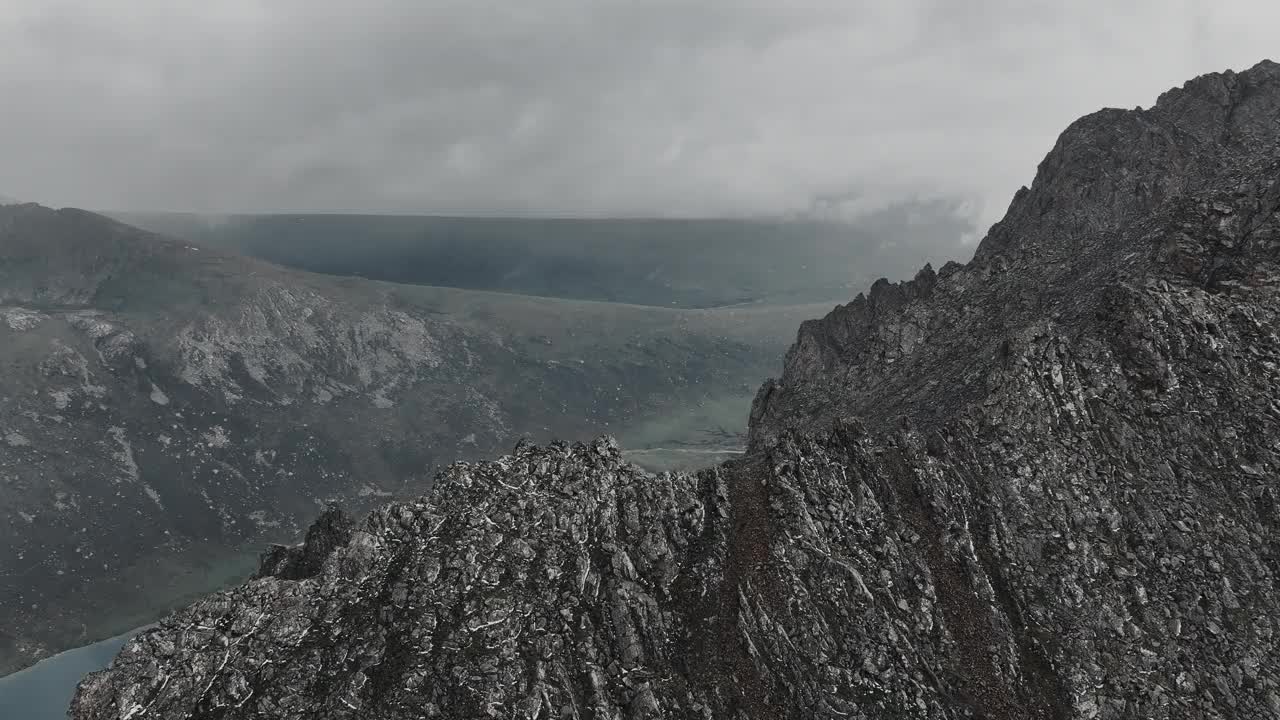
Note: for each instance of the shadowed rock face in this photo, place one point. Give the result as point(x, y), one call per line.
point(163, 406)
point(1184, 192)
point(1041, 485)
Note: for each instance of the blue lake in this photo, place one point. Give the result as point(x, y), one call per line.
point(43, 691)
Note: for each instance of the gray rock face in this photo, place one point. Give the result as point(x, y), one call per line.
point(1183, 193)
point(1041, 485)
point(163, 407)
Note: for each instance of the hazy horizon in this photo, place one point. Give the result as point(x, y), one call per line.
point(671, 108)
point(955, 208)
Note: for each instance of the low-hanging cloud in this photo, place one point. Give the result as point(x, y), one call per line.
point(578, 107)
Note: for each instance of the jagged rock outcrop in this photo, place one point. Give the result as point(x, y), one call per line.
point(1184, 192)
point(1040, 485)
point(212, 403)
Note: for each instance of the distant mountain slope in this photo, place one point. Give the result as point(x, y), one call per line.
point(1044, 485)
point(163, 406)
point(667, 263)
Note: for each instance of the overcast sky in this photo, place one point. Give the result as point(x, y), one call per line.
point(580, 107)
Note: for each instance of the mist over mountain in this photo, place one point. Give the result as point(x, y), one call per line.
point(1039, 485)
point(669, 263)
point(608, 109)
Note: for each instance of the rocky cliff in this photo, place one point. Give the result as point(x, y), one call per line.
point(1040, 485)
point(164, 406)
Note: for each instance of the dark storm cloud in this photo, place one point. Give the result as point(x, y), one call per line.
point(573, 106)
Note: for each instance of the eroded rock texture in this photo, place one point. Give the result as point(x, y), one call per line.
point(167, 409)
point(1041, 485)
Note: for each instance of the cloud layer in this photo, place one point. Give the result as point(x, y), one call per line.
point(580, 107)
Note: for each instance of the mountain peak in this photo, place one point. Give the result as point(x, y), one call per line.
point(1223, 90)
point(1116, 164)
point(1038, 486)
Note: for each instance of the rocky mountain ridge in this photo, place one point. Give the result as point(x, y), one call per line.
point(1040, 485)
point(1195, 173)
point(214, 402)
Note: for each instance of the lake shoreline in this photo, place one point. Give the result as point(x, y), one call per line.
point(43, 691)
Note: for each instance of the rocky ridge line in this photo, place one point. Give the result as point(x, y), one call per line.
point(1040, 485)
point(217, 403)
